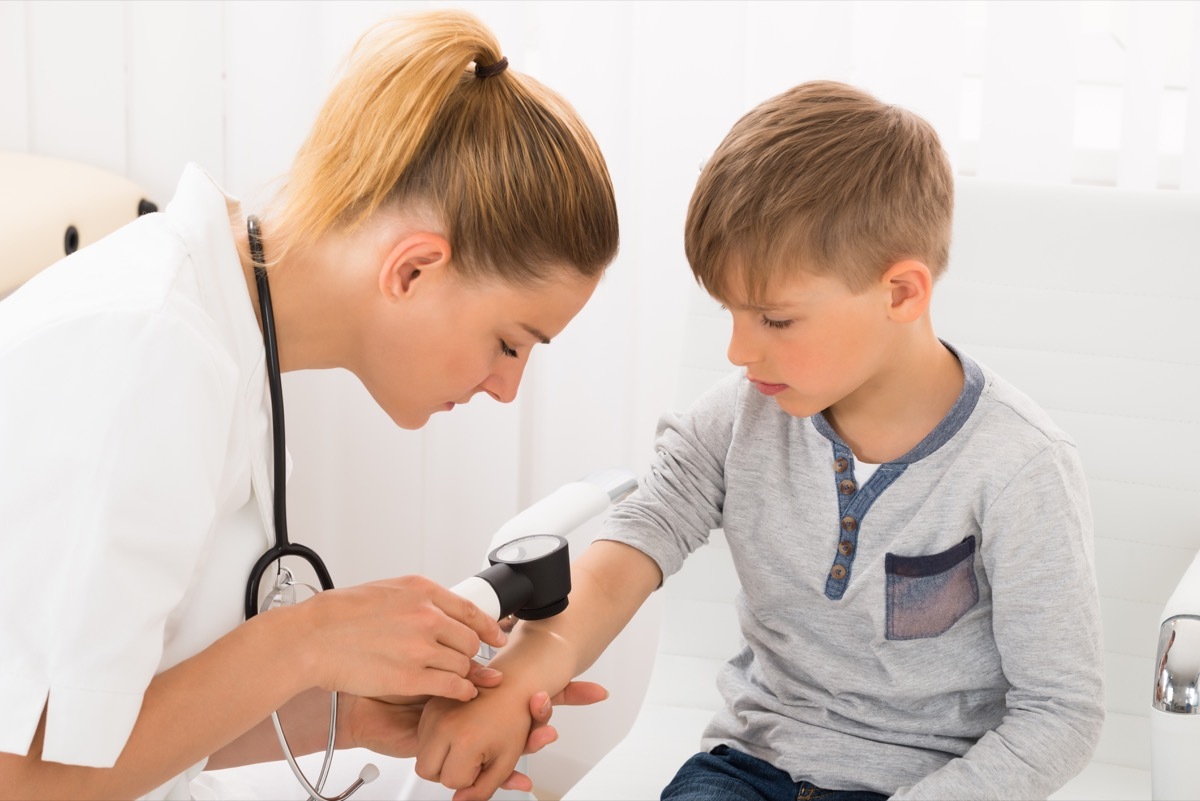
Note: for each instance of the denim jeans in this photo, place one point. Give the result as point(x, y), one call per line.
point(726, 775)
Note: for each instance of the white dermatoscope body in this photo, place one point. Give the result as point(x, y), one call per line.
point(529, 572)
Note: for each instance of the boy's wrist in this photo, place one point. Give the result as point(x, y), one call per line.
point(535, 659)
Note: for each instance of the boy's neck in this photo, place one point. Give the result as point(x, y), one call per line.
point(902, 404)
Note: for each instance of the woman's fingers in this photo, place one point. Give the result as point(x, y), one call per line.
point(581, 693)
point(470, 615)
point(403, 636)
point(541, 734)
point(483, 676)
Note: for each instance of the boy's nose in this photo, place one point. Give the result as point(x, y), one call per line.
point(742, 350)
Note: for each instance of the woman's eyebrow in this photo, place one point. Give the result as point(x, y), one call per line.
point(545, 340)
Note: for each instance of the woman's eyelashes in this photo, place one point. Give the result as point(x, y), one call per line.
point(507, 351)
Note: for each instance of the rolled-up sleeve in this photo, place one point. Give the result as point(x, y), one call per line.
point(113, 435)
point(680, 498)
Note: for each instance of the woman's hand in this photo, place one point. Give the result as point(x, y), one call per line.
point(407, 636)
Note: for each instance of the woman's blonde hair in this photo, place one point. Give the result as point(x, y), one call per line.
point(516, 178)
point(823, 178)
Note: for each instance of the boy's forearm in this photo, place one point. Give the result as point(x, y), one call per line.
point(610, 581)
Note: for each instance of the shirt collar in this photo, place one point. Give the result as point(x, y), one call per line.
point(973, 382)
point(201, 211)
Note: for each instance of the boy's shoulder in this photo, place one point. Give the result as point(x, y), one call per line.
point(1007, 405)
point(1009, 430)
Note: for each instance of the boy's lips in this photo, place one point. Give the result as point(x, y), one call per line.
point(766, 388)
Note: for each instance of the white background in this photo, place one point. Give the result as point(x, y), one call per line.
point(1104, 93)
point(1087, 92)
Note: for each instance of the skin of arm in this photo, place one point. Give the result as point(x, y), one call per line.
point(473, 746)
point(362, 722)
point(209, 690)
point(385, 726)
point(203, 703)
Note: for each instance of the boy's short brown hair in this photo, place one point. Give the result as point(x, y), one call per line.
point(823, 178)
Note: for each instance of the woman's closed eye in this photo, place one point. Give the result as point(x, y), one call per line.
point(507, 351)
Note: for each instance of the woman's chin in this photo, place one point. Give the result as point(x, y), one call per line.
point(411, 421)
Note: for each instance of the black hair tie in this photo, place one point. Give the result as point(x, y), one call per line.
point(495, 69)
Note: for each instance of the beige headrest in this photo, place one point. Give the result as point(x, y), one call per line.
point(49, 207)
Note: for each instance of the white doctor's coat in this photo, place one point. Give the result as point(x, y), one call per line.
point(134, 472)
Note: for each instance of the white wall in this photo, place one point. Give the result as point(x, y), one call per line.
point(1087, 92)
point(1074, 91)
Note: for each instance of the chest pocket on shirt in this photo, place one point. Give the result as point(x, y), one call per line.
point(926, 595)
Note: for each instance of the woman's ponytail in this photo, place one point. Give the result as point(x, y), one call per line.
point(411, 121)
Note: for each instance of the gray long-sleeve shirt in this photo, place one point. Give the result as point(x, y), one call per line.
point(934, 633)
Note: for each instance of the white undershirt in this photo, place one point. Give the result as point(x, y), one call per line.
point(863, 471)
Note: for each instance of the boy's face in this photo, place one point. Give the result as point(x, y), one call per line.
point(813, 343)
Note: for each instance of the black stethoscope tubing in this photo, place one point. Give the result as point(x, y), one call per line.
point(282, 547)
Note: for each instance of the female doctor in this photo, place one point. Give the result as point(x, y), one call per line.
point(445, 215)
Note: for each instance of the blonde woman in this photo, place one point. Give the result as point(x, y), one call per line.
point(139, 482)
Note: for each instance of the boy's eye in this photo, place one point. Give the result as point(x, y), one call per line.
point(506, 350)
point(769, 323)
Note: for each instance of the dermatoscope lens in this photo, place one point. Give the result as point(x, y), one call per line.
point(527, 549)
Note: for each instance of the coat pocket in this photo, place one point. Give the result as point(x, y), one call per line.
point(926, 595)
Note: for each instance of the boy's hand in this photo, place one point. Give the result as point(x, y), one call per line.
point(577, 693)
point(472, 747)
point(388, 724)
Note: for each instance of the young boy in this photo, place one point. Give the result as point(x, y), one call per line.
point(912, 534)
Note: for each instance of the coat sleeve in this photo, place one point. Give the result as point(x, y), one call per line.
point(113, 435)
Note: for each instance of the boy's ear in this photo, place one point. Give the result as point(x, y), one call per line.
point(420, 257)
point(910, 289)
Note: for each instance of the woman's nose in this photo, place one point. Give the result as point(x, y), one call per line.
point(503, 382)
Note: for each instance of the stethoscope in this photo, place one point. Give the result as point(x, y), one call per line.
point(284, 581)
point(528, 577)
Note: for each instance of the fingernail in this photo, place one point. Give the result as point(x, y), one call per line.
point(488, 673)
point(546, 706)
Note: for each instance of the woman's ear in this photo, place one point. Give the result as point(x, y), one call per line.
point(422, 257)
point(910, 289)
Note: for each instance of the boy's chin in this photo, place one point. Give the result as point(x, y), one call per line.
point(798, 407)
